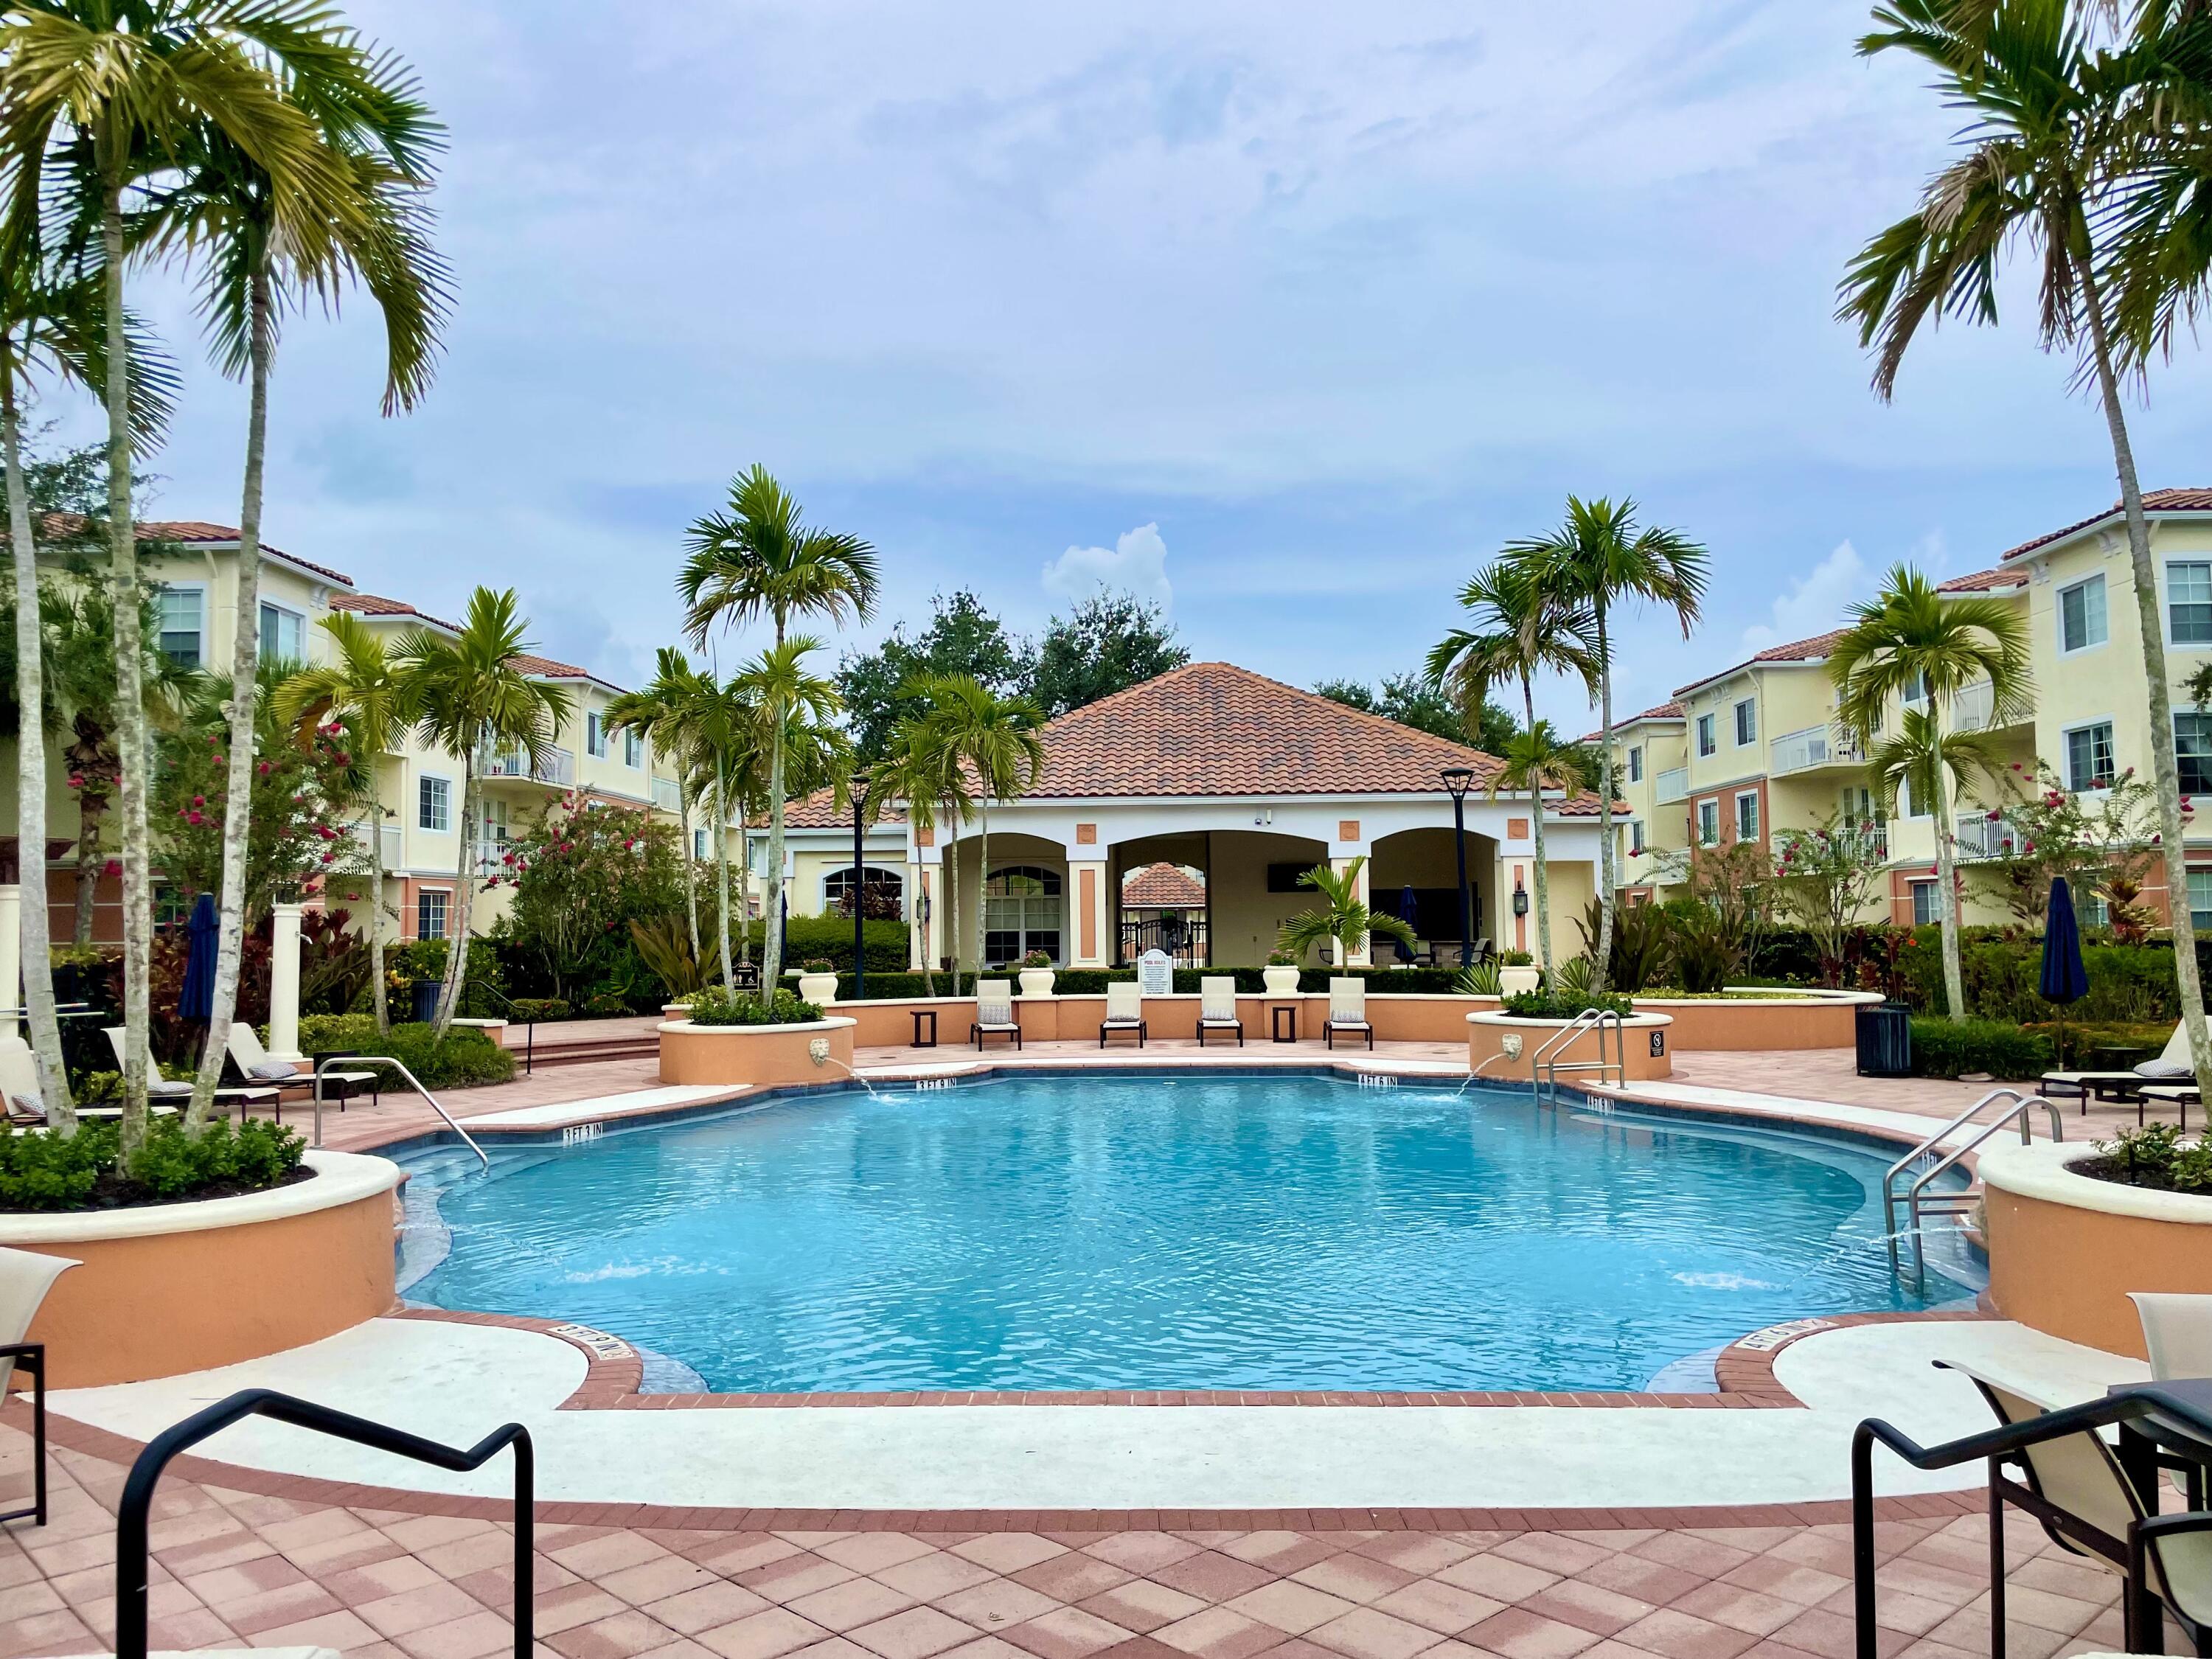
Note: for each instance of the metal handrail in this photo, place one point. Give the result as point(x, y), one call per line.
point(1915, 1197)
point(1589, 1019)
point(131, 1517)
point(399, 1066)
point(1618, 1065)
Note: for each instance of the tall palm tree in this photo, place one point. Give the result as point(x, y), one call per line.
point(791, 698)
point(470, 696)
point(220, 210)
point(1536, 762)
point(1598, 558)
point(758, 557)
point(2045, 150)
point(721, 739)
point(994, 739)
point(1522, 627)
point(916, 771)
point(658, 712)
point(366, 690)
point(96, 97)
point(1913, 642)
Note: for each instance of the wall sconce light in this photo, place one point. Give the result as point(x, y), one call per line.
point(1519, 901)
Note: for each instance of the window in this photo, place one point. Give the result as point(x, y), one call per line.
point(1746, 816)
point(883, 893)
point(1709, 823)
point(1021, 912)
point(283, 634)
point(430, 914)
point(634, 751)
point(1747, 722)
point(2089, 756)
point(1916, 689)
point(1707, 741)
point(1635, 838)
point(2081, 615)
point(1926, 912)
point(184, 616)
point(171, 908)
point(2188, 601)
point(433, 807)
point(595, 737)
point(2200, 898)
point(699, 844)
point(2192, 750)
point(1635, 764)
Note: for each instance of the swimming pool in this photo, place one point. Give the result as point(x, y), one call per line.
point(1148, 1232)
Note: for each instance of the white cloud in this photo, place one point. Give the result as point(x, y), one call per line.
point(1137, 563)
point(1816, 601)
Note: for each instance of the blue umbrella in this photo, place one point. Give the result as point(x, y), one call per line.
point(2065, 979)
point(197, 1000)
point(1409, 912)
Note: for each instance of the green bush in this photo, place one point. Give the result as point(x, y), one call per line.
point(46, 1172)
point(2152, 1155)
point(716, 1006)
point(1563, 1005)
point(466, 1060)
point(605, 1004)
point(545, 1011)
point(2005, 1051)
point(825, 939)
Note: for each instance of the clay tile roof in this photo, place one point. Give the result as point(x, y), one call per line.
point(1665, 711)
point(1983, 581)
point(197, 532)
point(546, 668)
point(820, 810)
point(375, 605)
point(1815, 649)
point(1163, 886)
point(2155, 500)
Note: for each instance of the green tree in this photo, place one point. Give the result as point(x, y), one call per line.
point(796, 707)
point(1342, 920)
point(658, 711)
point(2050, 832)
point(1824, 878)
point(580, 878)
point(1412, 699)
point(1599, 558)
point(723, 741)
point(1108, 643)
point(471, 699)
point(962, 637)
point(922, 774)
point(365, 690)
point(1913, 640)
point(758, 558)
point(2056, 123)
point(994, 741)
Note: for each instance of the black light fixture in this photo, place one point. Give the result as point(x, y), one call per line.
point(858, 785)
point(1457, 780)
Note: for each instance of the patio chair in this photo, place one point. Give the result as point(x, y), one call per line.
point(160, 1088)
point(994, 1013)
point(26, 1276)
point(1124, 1011)
point(19, 1081)
point(2179, 1095)
point(1217, 1007)
point(253, 1062)
point(2178, 1335)
point(1347, 1012)
point(2074, 1486)
point(2173, 1066)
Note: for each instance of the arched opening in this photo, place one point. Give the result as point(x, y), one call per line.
point(1024, 909)
point(882, 894)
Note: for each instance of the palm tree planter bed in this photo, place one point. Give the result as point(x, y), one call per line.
point(1648, 1038)
point(761, 1056)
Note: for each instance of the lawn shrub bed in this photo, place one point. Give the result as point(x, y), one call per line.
point(467, 1059)
point(43, 1172)
point(716, 1006)
point(2013, 1052)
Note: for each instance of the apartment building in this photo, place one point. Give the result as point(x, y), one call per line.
point(1650, 778)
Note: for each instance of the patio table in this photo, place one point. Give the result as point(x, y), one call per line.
point(2178, 1421)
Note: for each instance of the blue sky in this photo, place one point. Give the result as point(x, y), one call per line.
point(1290, 313)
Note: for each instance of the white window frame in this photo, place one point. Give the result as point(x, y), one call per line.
point(1636, 846)
point(261, 634)
point(421, 778)
point(445, 896)
point(2166, 575)
point(1636, 763)
point(1709, 737)
point(1742, 796)
point(2201, 917)
point(1746, 712)
point(201, 589)
point(2066, 750)
point(2058, 613)
point(700, 850)
point(595, 735)
point(1709, 837)
point(1913, 890)
point(633, 749)
point(2202, 722)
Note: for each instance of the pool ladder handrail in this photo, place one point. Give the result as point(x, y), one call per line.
point(1544, 1068)
point(1916, 1199)
point(400, 1066)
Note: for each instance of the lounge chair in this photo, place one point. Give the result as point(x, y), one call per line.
point(19, 1081)
point(26, 1276)
point(1347, 1012)
point(2173, 1066)
point(160, 1088)
point(1217, 1008)
point(994, 1013)
point(1124, 1011)
point(2179, 1095)
point(253, 1062)
point(2178, 1336)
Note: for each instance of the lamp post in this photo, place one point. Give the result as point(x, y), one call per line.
point(1456, 780)
point(858, 785)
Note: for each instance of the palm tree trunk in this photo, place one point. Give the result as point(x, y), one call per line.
point(2164, 765)
point(1536, 823)
point(772, 930)
point(245, 662)
point(131, 735)
point(464, 886)
point(31, 789)
point(951, 928)
point(722, 872)
point(1608, 879)
point(690, 874)
point(86, 757)
point(1947, 856)
point(982, 877)
point(376, 905)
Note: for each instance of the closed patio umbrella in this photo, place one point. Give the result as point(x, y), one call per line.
point(197, 1000)
point(1409, 912)
point(2065, 978)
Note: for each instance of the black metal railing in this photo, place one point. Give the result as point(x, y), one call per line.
point(131, 1518)
point(1183, 938)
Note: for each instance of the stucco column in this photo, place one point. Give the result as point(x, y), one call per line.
point(1364, 956)
point(1089, 941)
point(284, 982)
point(11, 958)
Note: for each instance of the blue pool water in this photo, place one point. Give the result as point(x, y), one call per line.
point(1117, 1231)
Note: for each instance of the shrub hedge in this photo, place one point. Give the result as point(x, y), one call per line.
point(718, 1007)
point(2012, 1052)
point(46, 1172)
point(467, 1059)
point(1092, 982)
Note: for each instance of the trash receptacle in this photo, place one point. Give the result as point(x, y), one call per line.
point(1885, 1040)
point(425, 992)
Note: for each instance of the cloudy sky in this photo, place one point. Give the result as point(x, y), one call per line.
point(1287, 315)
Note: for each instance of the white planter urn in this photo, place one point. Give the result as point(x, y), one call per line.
point(820, 989)
point(1035, 981)
point(1518, 981)
point(1279, 981)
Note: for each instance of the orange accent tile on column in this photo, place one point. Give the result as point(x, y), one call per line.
point(1086, 835)
point(1086, 888)
point(1347, 828)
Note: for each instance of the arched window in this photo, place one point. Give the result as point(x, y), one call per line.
point(1021, 912)
point(883, 894)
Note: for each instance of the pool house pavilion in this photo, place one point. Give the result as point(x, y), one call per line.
point(1241, 783)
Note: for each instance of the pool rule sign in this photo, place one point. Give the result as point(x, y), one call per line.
point(1155, 974)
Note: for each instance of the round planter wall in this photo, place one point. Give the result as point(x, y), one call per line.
point(1816, 1020)
point(763, 1057)
point(170, 1288)
point(1644, 1033)
point(2066, 1249)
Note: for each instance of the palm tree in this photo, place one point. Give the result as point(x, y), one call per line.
point(105, 93)
point(1598, 558)
point(222, 210)
point(471, 697)
point(2047, 148)
point(791, 698)
point(757, 557)
point(1523, 627)
point(1342, 919)
point(659, 713)
point(721, 739)
point(1912, 643)
point(366, 689)
point(994, 739)
point(1535, 761)
point(915, 770)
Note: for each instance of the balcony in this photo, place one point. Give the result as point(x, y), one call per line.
point(1672, 785)
point(1981, 838)
point(491, 855)
point(560, 768)
point(395, 844)
point(666, 797)
point(1815, 747)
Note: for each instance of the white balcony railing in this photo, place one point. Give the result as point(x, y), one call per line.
point(1816, 745)
point(666, 797)
point(491, 855)
point(560, 766)
point(395, 843)
point(1672, 785)
point(1981, 837)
